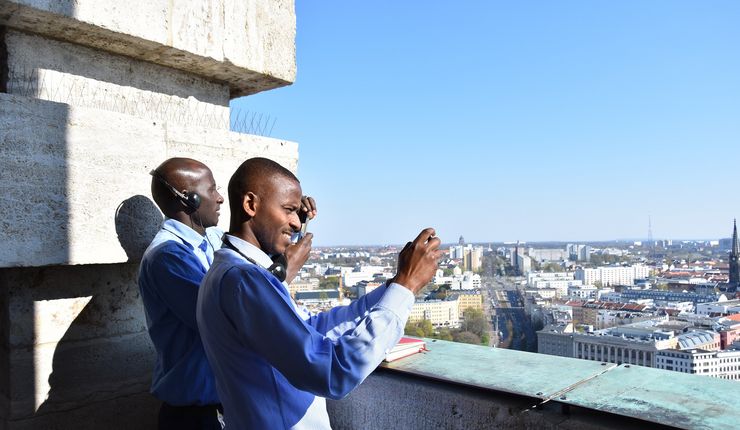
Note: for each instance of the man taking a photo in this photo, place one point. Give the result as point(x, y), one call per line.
point(274, 362)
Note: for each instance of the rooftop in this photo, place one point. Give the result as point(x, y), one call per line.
point(694, 339)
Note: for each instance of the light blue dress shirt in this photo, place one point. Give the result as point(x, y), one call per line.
point(274, 362)
point(169, 277)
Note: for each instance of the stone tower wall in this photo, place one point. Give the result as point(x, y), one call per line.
point(93, 95)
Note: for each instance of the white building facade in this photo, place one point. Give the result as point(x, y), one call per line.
point(441, 313)
point(607, 276)
point(717, 364)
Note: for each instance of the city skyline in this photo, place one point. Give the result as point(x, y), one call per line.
point(501, 122)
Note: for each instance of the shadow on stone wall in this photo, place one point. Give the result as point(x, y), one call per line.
point(137, 222)
point(35, 172)
point(105, 355)
point(102, 361)
point(81, 356)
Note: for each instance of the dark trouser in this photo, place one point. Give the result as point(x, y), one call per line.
point(189, 417)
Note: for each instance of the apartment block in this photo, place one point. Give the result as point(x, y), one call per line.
point(303, 285)
point(468, 299)
point(716, 364)
point(441, 313)
point(612, 275)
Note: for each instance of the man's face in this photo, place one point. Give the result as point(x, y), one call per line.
point(210, 199)
point(276, 215)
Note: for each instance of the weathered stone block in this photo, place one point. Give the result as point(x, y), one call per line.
point(65, 375)
point(75, 302)
point(249, 44)
point(76, 334)
point(135, 411)
point(66, 171)
point(71, 74)
point(392, 400)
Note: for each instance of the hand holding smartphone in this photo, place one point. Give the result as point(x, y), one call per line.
point(306, 213)
point(302, 232)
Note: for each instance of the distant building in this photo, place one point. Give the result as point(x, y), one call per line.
point(729, 331)
point(584, 292)
point(548, 276)
point(556, 340)
point(578, 252)
point(717, 364)
point(302, 285)
point(734, 281)
point(472, 257)
point(441, 313)
point(560, 286)
point(544, 255)
point(560, 281)
point(476, 259)
point(468, 299)
point(607, 314)
point(699, 339)
point(352, 276)
point(545, 293)
point(719, 309)
point(634, 344)
point(459, 281)
point(523, 264)
point(364, 287)
point(662, 298)
point(457, 252)
point(327, 298)
point(469, 281)
point(607, 276)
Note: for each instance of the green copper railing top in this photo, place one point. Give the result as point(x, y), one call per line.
point(660, 396)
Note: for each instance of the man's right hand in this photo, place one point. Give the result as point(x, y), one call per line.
point(418, 261)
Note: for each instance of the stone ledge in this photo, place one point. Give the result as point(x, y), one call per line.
point(656, 397)
point(390, 400)
point(249, 45)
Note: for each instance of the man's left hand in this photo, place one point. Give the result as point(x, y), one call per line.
point(297, 254)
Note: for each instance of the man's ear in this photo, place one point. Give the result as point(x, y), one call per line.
point(250, 201)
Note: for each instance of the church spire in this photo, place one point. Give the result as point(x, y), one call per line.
point(734, 280)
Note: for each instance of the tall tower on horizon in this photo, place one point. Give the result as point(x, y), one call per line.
point(734, 257)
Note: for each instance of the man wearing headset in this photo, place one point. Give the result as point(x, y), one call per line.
point(169, 277)
point(171, 271)
point(274, 362)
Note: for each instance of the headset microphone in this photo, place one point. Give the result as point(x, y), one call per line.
point(279, 268)
point(189, 199)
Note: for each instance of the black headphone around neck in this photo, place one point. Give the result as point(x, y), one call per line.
point(279, 268)
point(189, 199)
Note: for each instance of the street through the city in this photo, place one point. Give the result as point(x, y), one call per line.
point(513, 328)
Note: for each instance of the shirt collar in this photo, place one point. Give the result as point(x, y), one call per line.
point(187, 234)
point(250, 250)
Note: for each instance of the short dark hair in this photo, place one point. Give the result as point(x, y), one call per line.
point(252, 175)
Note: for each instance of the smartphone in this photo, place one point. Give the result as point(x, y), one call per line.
point(302, 232)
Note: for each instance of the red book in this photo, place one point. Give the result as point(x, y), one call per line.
point(405, 347)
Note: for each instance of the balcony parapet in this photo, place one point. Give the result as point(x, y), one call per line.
point(466, 386)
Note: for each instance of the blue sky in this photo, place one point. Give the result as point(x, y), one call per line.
point(526, 120)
